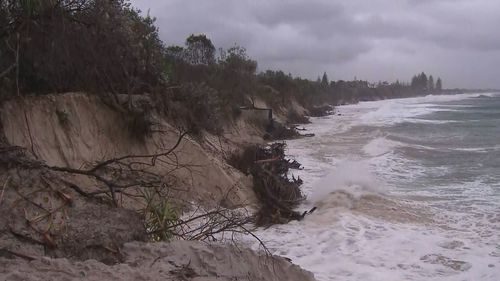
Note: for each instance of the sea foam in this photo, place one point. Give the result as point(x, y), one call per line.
point(374, 221)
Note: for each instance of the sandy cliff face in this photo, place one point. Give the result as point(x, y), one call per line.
point(50, 231)
point(76, 129)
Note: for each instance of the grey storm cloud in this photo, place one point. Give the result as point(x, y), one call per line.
point(371, 39)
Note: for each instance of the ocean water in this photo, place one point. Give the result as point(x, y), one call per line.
point(406, 189)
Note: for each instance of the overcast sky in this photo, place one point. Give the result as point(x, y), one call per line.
point(373, 40)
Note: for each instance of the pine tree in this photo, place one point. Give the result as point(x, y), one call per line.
point(423, 81)
point(414, 81)
point(439, 84)
point(324, 80)
point(430, 83)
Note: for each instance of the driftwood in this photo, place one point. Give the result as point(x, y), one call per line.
point(308, 135)
point(294, 164)
point(267, 160)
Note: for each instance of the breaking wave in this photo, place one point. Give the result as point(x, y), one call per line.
point(393, 205)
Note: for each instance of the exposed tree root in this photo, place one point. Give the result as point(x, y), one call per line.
point(277, 194)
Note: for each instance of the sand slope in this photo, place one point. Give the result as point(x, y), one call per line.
point(70, 237)
point(75, 129)
point(179, 260)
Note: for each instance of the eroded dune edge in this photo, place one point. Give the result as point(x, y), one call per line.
point(58, 224)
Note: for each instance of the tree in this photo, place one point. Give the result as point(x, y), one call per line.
point(439, 84)
point(200, 50)
point(430, 83)
point(414, 81)
point(236, 59)
point(78, 45)
point(324, 80)
point(423, 81)
point(236, 74)
point(175, 52)
point(420, 82)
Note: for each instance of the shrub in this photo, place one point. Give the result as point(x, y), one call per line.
point(159, 215)
point(282, 132)
point(245, 159)
point(79, 45)
point(139, 125)
point(197, 107)
point(319, 111)
point(63, 117)
point(295, 118)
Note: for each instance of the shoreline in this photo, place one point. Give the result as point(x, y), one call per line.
point(357, 231)
point(82, 138)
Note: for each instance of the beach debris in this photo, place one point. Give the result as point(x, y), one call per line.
point(308, 135)
point(278, 194)
point(293, 164)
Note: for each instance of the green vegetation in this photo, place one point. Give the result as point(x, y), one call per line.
point(159, 215)
point(420, 82)
point(77, 45)
point(108, 48)
point(439, 85)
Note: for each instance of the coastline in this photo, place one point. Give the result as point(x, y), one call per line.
point(77, 146)
point(89, 238)
point(377, 206)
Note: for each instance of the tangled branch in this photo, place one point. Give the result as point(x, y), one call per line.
point(126, 172)
point(217, 224)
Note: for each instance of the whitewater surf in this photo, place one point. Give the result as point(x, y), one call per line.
point(406, 189)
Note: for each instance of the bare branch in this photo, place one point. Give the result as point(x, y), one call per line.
point(9, 69)
point(123, 174)
point(152, 156)
point(4, 188)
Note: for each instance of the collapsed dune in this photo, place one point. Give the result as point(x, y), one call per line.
point(50, 229)
point(75, 129)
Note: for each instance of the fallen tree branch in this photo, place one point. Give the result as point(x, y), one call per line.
point(268, 160)
point(6, 71)
point(152, 156)
point(122, 169)
point(77, 189)
point(4, 188)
